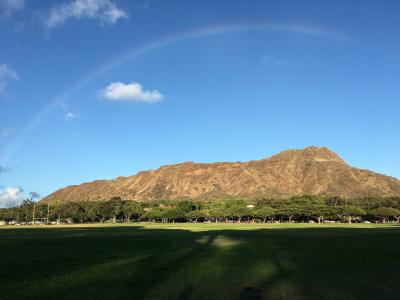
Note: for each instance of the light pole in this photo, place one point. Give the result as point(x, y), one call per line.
point(48, 212)
point(33, 196)
point(33, 217)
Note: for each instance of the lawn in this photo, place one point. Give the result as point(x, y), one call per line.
point(201, 261)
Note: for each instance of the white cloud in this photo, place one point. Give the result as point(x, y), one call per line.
point(6, 73)
point(11, 196)
point(69, 116)
point(104, 10)
point(8, 7)
point(131, 92)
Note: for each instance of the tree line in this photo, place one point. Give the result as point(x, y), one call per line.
point(296, 209)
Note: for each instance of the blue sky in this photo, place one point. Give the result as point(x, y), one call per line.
point(94, 89)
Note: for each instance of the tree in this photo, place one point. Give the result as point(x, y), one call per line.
point(197, 214)
point(265, 212)
point(116, 206)
point(26, 210)
point(131, 209)
point(152, 214)
point(334, 201)
point(218, 213)
point(319, 212)
point(307, 200)
point(291, 211)
point(9, 214)
point(349, 212)
point(184, 205)
point(105, 210)
point(172, 213)
point(91, 211)
point(239, 212)
point(385, 213)
point(72, 211)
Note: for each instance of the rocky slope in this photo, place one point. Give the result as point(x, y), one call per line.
point(312, 170)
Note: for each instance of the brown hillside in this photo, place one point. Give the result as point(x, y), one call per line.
point(312, 170)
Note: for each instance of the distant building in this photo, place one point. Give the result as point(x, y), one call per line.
point(2, 223)
point(250, 206)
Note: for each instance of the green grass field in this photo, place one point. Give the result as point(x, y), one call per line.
point(201, 261)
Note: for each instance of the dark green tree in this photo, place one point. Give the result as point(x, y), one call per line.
point(131, 209)
point(318, 212)
point(239, 212)
point(384, 213)
point(291, 211)
point(197, 214)
point(265, 212)
point(349, 212)
point(172, 214)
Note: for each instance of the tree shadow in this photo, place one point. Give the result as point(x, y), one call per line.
point(125, 262)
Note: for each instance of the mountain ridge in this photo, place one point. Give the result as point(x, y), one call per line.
point(312, 170)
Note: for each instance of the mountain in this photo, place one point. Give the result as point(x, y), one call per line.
point(313, 170)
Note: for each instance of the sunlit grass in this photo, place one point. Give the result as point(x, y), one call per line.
point(208, 226)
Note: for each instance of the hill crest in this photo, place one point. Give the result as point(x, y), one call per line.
point(312, 170)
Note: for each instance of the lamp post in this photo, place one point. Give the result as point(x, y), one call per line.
point(33, 215)
point(48, 212)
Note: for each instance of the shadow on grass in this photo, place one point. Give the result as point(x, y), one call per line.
point(134, 262)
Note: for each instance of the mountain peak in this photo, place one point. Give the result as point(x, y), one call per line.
point(312, 170)
point(310, 153)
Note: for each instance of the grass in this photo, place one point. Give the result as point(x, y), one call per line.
point(201, 261)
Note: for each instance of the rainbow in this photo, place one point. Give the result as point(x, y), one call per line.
point(155, 45)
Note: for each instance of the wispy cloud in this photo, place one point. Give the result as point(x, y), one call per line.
point(103, 10)
point(131, 92)
point(272, 60)
point(3, 170)
point(11, 196)
point(6, 73)
point(9, 7)
point(69, 116)
point(68, 112)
